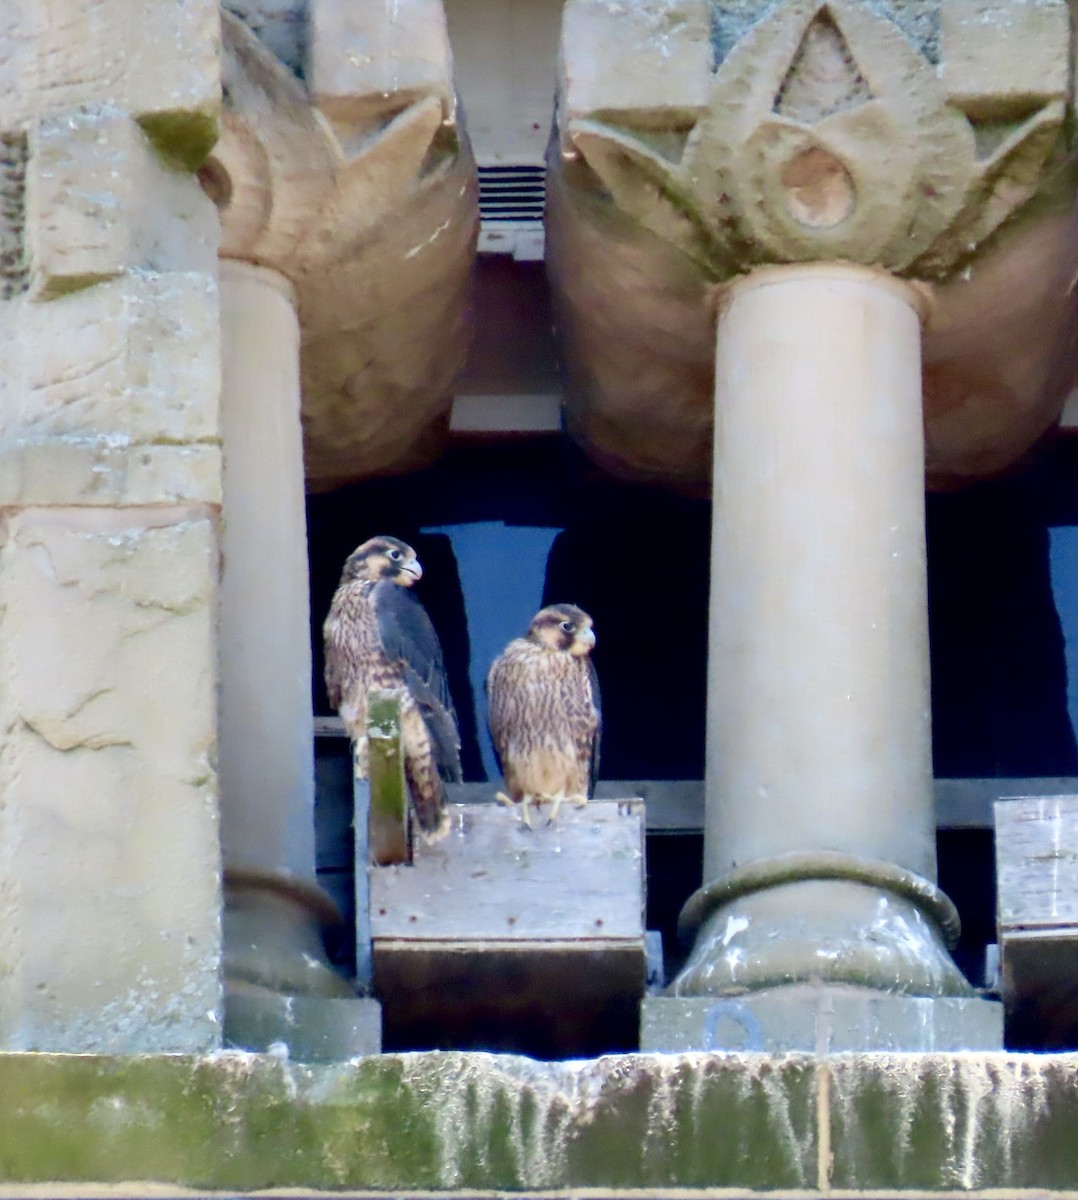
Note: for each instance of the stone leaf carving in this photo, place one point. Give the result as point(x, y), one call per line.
point(696, 140)
point(827, 134)
point(370, 208)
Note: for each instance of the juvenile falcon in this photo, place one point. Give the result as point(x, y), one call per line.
point(378, 635)
point(543, 704)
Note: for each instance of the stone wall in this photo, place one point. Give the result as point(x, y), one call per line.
point(109, 500)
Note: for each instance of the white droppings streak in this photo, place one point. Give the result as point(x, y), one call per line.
point(734, 926)
point(662, 1107)
point(986, 1105)
point(760, 1074)
point(428, 241)
point(472, 1092)
point(476, 1099)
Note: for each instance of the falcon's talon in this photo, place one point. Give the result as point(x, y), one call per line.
point(555, 804)
point(578, 801)
point(502, 798)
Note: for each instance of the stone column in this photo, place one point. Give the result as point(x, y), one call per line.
point(820, 831)
point(342, 198)
point(279, 985)
point(746, 152)
point(109, 504)
point(266, 727)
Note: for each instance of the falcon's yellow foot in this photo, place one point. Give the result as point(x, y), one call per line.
point(555, 803)
point(577, 801)
point(526, 802)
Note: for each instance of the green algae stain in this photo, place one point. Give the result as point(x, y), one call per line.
point(416, 1122)
point(183, 138)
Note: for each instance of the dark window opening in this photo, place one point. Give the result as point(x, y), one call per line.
point(504, 527)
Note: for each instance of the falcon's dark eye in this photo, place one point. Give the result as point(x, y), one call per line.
point(394, 554)
point(567, 626)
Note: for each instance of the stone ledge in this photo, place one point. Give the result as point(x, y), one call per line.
point(445, 1122)
point(820, 1018)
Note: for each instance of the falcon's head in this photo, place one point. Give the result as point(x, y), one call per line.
point(383, 558)
point(563, 627)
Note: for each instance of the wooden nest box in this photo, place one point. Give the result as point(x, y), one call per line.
point(1037, 883)
point(500, 937)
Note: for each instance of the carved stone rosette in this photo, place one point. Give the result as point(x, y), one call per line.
point(698, 140)
point(344, 169)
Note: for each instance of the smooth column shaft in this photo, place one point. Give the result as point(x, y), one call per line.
point(266, 724)
point(819, 710)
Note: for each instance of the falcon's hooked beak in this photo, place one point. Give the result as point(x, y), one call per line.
point(412, 569)
point(584, 641)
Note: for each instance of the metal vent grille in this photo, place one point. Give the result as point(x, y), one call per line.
point(512, 194)
point(511, 211)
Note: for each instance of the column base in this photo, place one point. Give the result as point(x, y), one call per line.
point(280, 989)
point(821, 1019)
point(820, 918)
point(317, 1029)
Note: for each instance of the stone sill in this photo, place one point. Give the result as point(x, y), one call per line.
point(872, 1124)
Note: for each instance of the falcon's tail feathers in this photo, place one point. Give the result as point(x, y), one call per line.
point(427, 795)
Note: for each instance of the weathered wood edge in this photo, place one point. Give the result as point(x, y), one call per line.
point(389, 832)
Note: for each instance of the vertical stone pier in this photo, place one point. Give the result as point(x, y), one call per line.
point(341, 194)
point(820, 169)
point(110, 489)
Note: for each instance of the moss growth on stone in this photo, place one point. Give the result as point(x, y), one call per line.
point(57, 286)
point(448, 1121)
point(183, 138)
point(954, 1122)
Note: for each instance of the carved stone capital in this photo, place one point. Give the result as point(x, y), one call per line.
point(356, 183)
point(819, 130)
point(698, 140)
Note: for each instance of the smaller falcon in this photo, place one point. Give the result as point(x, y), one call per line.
point(544, 712)
point(378, 636)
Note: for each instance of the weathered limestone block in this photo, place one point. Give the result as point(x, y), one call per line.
point(653, 58)
point(108, 833)
point(102, 201)
point(109, 485)
point(359, 54)
point(109, 395)
point(154, 59)
point(930, 141)
point(361, 187)
point(983, 75)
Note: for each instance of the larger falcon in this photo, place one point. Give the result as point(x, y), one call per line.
point(544, 712)
point(378, 636)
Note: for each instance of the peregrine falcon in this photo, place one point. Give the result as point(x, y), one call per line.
point(543, 699)
point(378, 635)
